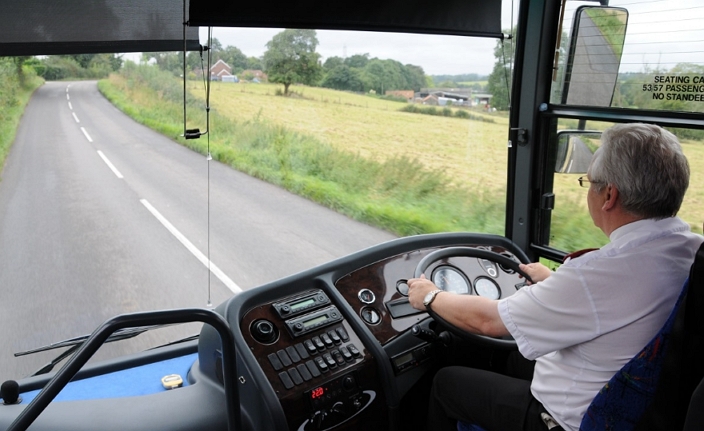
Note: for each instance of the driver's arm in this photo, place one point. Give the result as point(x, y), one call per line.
point(467, 312)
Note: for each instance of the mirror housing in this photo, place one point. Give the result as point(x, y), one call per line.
point(594, 58)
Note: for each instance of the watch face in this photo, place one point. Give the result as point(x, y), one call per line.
point(429, 297)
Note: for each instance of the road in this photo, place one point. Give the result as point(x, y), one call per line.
point(101, 216)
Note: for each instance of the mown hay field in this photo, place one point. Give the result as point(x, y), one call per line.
point(473, 153)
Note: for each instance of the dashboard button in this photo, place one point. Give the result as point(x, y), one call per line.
point(337, 356)
point(275, 362)
point(326, 340)
point(353, 350)
point(304, 372)
point(318, 344)
point(310, 347)
point(329, 360)
point(343, 334)
point(286, 380)
point(335, 338)
point(293, 354)
point(346, 353)
point(312, 368)
point(283, 356)
point(295, 376)
point(321, 364)
point(302, 350)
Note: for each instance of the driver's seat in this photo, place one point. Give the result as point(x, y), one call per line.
point(653, 390)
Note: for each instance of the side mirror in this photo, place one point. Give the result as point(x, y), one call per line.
point(598, 34)
point(575, 149)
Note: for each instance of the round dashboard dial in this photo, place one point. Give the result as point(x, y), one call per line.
point(487, 288)
point(450, 279)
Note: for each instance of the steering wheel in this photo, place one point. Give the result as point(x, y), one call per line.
point(504, 343)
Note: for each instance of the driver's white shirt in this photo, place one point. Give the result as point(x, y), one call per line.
point(597, 311)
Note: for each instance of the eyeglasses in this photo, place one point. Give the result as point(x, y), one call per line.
point(584, 182)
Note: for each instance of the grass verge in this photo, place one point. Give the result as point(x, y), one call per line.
point(13, 99)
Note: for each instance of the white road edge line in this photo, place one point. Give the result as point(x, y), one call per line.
point(75, 117)
point(87, 135)
point(197, 253)
point(110, 165)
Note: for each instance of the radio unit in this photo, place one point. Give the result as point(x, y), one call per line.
point(299, 305)
point(313, 321)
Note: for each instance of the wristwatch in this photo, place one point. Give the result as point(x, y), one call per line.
point(430, 297)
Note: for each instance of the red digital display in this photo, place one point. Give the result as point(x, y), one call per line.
point(317, 393)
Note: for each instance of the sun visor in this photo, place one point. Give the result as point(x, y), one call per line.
point(452, 17)
point(41, 27)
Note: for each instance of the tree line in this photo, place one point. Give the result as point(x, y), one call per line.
point(291, 58)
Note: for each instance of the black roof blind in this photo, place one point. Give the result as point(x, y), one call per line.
point(452, 17)
point(44, 27)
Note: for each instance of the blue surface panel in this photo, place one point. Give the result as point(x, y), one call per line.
point(142, 380)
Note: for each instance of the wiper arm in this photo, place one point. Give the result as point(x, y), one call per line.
point(118, 335)
point(76, 342)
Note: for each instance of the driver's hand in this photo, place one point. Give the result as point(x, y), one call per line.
point(417, 289)
point(537, 271)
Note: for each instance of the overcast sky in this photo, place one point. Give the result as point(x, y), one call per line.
point(437, 55)
point(661, 34)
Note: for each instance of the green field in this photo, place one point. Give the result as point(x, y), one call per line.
point(376, 129)
point(405, 172)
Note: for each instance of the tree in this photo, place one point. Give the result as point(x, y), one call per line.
point(333, 62)
point(358, 60)
point(415, 77)
point(255, 63)
point(343, 77)
point(291, 58)
point(499, 81)
point(234, 57)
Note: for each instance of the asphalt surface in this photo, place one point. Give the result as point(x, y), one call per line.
point(101, 216)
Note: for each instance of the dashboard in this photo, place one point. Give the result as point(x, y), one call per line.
point(333, 347)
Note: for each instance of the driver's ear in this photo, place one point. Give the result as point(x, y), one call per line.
point(611, 197)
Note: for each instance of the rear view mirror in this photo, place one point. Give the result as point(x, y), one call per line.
point(598, 34)
point(575, 149)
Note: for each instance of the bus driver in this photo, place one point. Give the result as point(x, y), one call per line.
point(583, 322)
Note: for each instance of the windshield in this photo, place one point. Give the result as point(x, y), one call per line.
point(322, 143)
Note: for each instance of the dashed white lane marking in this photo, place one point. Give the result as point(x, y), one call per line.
point(87, 135)
point(75, 117)
point(70, 106)
point(197, 253)
point(110, 165)
point(67, 96)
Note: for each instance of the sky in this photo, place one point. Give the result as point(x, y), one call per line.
point(437, 55)
point(661, 34)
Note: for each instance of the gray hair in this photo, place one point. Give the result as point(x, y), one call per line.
point(646, 164)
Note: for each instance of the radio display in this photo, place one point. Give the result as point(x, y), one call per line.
point(317, 393)
point(303, 304)
point(315, 321)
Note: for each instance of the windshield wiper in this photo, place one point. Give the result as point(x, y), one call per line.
point(76, 342)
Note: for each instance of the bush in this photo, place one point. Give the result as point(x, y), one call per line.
point(446, 112)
